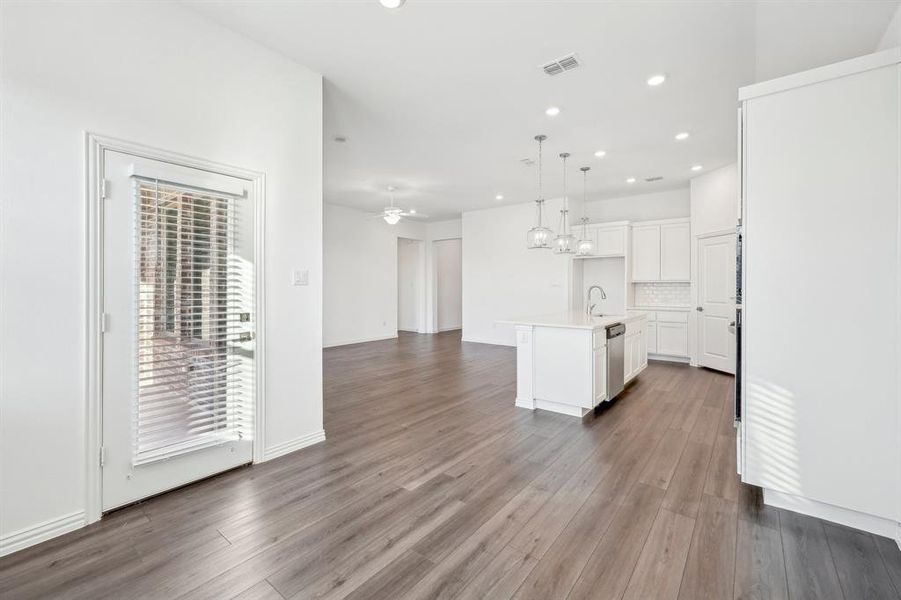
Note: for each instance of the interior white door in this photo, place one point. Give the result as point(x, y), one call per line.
point(178, 347)
point(716, 301)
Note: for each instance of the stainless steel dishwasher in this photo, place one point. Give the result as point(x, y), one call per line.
point(616, 353)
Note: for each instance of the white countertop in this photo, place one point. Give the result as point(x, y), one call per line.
point(572, 319)
point(659, 308)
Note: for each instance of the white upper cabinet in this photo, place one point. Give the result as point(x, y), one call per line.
point(661, 251)
point(675, 252)
point(611, 241)
point(646, 253)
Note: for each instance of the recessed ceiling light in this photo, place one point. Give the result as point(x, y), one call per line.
point(499, 197)
point(655, 80)
point(600, 154)
point(392, 3)
point(552, 111)
point(630, 180)
point(682, 136)
point(697, 168)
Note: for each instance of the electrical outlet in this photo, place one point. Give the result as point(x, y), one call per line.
point(300, 277)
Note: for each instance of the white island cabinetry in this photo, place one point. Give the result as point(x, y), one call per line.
point(561, 360)
point(636, 353)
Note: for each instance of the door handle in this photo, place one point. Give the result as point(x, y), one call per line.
point(732, 327)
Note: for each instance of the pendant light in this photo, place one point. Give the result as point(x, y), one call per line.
point(539, 236)
point(565, 242)
point(585, 247)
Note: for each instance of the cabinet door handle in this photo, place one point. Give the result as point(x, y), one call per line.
point(700, 309)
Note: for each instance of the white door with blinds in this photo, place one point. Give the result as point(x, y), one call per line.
point(179, 326)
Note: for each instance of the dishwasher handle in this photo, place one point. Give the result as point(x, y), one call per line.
point(615, 330)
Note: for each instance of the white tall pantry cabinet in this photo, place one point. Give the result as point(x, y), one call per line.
point(821, 335)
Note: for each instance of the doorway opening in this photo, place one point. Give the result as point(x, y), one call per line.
point(409, 285)
point(448, 266)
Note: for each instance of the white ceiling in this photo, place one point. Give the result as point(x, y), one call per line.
point(441, 99)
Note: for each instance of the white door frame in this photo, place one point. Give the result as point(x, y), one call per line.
point(95, 148)
point(694, 342)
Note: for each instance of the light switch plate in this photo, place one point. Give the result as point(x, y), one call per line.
point(300, 277)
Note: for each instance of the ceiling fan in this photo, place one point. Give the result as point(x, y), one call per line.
point(393, 214)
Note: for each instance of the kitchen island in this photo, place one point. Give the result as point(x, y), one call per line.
point(561, 359)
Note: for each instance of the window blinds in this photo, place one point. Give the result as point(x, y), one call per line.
point(194, 306)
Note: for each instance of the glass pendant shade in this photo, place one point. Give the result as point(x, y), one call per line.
point(539, 237)
point(392, 218)
point(585, 247)
point(565, 242)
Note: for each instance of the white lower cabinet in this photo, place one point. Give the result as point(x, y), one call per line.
point(628, 365)
point(672, 339)
point(599, 363)
point(642, 350)
point(651, 336)
point(635, 350)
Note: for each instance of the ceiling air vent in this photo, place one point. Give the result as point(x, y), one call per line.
point(560, 65)
point(655, 178)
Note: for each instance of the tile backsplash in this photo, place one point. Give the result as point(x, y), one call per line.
point(662, 294)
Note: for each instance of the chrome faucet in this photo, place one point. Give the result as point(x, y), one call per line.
point(588, 303)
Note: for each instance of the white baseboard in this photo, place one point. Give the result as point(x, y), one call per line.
point(664, 357)
point(455, 328)
point(557, 407)
point(29, 536)
point(563, 409)
point(359, 341)
point(836, 514)
point(293, 445)
point(528, 403)
point(489, 342)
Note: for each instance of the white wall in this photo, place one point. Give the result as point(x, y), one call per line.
point(69, 68)
point(670, 204)
point(714, 200)
point(449, 283)
point(892, 35)
point(502, 279)
point(409, 284)
point(360, 273)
